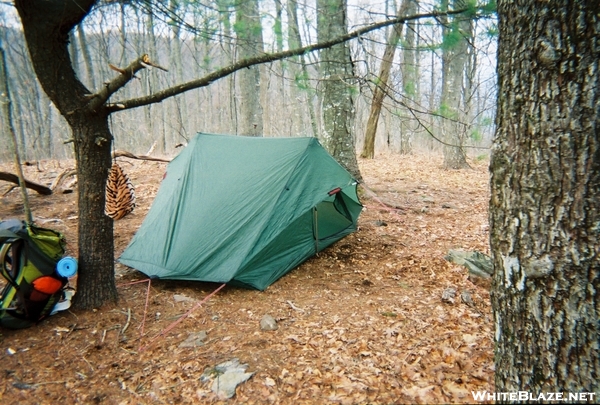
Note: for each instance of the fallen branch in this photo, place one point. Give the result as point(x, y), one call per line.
point(40, 188)
point(295, 308)
point(128, 320)
point(58, 180)
point(123, 153)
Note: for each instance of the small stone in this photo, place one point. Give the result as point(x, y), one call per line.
point(182, 298)
point(465, 297)
point(448, 295)
point(268, 323)
point(194, 339)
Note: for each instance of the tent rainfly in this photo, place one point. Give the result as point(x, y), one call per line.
point(244, 211)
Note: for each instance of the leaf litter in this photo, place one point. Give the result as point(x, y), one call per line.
point(362, 322)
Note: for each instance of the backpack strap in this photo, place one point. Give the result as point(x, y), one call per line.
point(14, 260)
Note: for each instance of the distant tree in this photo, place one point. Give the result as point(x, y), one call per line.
point(86, 55)
point(176, 56)
point(454, 62)
point(545, 205)
point(338, 81)
point(249, 43)
point(409, 69)
point(228, 54)
point(381, 84)
point(299, 71)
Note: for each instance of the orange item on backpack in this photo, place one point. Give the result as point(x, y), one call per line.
point(47, 284)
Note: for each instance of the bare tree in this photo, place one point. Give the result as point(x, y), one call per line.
point(409, 70)
point(454, 61)
point(299, 71)
point(381, 85)
point(249, 43)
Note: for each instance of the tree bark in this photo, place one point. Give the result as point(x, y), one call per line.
point(453, 69)
point(249, 43)
point(544, 206)
point(93, 142)
point(337, 73)
point(409, 70)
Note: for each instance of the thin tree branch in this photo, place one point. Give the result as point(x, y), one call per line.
point(413, 111)
point(246, 63)
point(125, 75)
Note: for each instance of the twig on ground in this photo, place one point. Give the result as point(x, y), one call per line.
point(128, 320)
point(295, 308)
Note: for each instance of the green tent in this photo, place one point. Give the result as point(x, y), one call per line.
point(244, 211)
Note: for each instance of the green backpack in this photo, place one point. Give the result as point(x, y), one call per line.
point(28, 258)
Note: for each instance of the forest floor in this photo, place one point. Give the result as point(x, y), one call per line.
point(362, 322)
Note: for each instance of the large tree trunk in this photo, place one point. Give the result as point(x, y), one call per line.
point(95, 282)
point(47, 26)
point(337, 73)
point(544, 207)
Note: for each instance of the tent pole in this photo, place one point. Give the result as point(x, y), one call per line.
point(316, 226)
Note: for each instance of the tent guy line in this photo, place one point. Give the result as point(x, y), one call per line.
point(181, 319)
